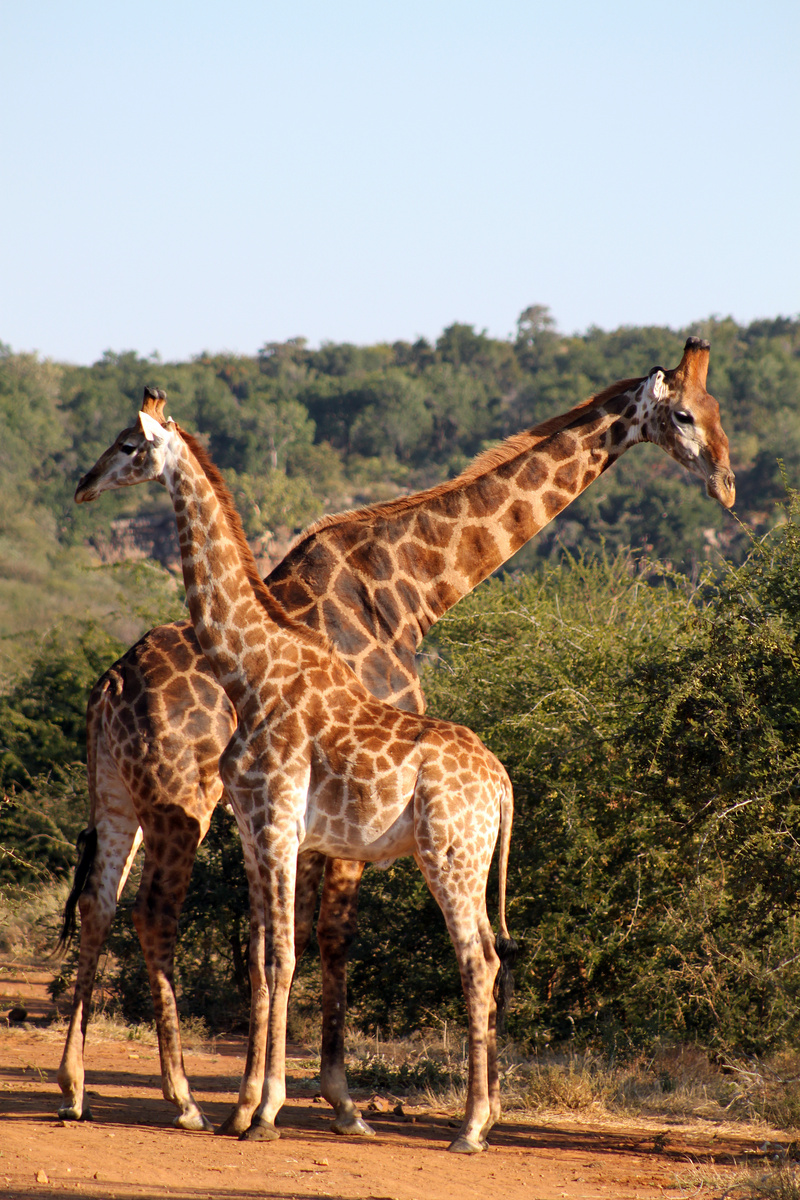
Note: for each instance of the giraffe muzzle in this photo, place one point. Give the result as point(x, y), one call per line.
point(85, 491)
point(721, 485)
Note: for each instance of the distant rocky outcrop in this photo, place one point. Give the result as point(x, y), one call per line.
point(154, 535)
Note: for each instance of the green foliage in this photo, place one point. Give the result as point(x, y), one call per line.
point(43, 792)
point(402, 936)
point(726, 764)
point(44, 800)
point(273, 499)
point(303, 429)
point(39, 825)
point(43, 716)
point(651, 731)
point(649, 718)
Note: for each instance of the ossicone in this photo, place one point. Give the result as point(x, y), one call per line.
point(693, 367)
point(153, 403)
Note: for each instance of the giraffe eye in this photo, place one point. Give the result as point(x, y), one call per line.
point(683, 417)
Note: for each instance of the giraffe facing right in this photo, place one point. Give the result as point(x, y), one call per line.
point(373, 582)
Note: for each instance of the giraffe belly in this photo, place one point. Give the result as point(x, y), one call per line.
point(365, 841)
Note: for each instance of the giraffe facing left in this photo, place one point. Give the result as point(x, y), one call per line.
point(317, 763)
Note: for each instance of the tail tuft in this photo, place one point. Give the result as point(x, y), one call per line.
point(507, 950)
point(87, 851)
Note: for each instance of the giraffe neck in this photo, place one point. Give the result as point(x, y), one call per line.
point(504, 507)
point(419, 556)
point(242, 631)
point(495, 514)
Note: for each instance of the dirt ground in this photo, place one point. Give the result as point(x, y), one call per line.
point(130, 1149)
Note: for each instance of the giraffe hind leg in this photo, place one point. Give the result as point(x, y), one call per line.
point(453, 884)
point(162, 891)
point(115, 843)
point(478, 965)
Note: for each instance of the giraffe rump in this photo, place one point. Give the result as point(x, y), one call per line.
point(87, 851)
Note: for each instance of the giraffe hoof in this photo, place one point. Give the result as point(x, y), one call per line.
point(70, 1113)
point(463, 1145)
point(194, 1121)
point(260, 1131)
point(235, 1124)
point(352, 1125)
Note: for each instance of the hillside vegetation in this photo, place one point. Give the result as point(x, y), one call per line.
point(299, 432)
point(635, 667)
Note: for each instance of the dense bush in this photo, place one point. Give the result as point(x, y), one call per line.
point(651, 733)
point(542, 669)
point(43, 797)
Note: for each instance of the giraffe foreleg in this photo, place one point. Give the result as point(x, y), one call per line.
point(278, 862)
point(336, 931)
point(240, 1117)
point(117, 843)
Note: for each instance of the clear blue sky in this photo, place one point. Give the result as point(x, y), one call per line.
point(185, 175)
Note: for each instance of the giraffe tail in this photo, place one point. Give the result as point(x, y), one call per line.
point(87, 849)
point(504, 944)
point(87, 838)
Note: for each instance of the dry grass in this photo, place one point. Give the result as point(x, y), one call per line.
point(573, 1086)
point(680, 1082)
point(781, 1182)
point(700, 1180)
point(104, 1027)
point(30, 919)
point(430, 1067)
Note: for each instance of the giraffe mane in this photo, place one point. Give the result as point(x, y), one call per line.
point(234, 522)
point(488, 460)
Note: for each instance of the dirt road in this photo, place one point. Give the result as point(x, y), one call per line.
point(130, 1150)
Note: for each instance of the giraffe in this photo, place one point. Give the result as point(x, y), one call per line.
point(373, 581)
point(317, 762)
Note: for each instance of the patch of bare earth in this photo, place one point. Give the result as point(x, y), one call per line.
point(130, 1149)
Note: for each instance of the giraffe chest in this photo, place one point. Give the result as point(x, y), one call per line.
point(337, 794)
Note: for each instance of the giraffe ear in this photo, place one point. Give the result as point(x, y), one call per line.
point(657, 385)
point(152, 429)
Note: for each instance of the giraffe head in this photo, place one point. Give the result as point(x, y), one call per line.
point(139, 454)
point(679, 415)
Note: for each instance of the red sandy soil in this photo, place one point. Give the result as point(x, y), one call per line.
point(130, 1149)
